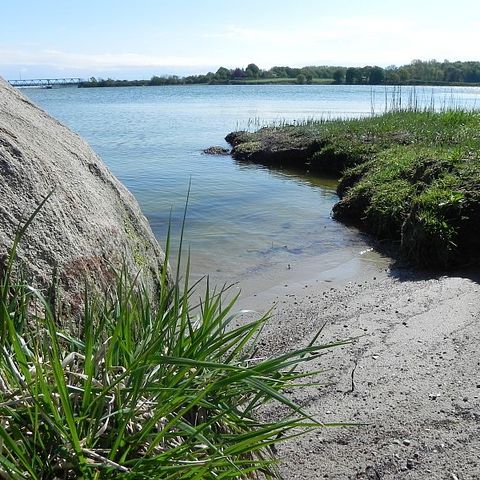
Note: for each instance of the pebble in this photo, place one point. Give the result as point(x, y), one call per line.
point(453, 476)
point(407, 442)
point(410, 463)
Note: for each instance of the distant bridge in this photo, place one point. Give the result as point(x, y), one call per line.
point(45, 82)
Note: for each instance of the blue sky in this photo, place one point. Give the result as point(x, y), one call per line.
point(136, 39)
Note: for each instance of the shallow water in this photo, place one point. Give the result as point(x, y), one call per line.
point(242, 220)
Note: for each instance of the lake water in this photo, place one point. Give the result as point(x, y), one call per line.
point(242, 220)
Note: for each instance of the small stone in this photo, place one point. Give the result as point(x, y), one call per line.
point(465, 399)
point(216, 151)
point(453, 476)
point(407, 442)
point(410, 464)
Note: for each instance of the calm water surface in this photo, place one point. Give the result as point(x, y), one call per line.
point(242, 219)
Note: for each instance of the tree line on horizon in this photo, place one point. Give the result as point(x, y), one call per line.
point(431, 72)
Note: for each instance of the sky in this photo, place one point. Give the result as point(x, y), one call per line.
point(138, 39)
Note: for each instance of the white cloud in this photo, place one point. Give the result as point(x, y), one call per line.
point(251, 35)
point(356, 41)
point(328, 28)
point(61, 59)
point(327, 40)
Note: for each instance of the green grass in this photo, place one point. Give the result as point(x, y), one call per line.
point(139, 387)
point(409, 175)
point(415, 177)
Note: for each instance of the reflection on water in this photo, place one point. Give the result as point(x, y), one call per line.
point(326, 182)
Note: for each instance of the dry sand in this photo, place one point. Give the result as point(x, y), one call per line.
point(416, 372)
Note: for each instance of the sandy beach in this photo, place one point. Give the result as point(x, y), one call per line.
point(414, 365)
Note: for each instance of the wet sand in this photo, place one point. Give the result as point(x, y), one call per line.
point(415, 367)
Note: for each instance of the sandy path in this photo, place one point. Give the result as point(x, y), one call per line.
point(416, 379)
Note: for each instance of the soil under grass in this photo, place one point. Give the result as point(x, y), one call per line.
point(408, 176)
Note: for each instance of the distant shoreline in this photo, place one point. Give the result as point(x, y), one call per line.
point(418, 72)
point(324, 82)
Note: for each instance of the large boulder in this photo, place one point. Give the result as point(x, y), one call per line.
point(89, 226)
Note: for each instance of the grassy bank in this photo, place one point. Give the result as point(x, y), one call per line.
point(408, 176)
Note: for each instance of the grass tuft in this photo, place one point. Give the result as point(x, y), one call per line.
point(149, 388)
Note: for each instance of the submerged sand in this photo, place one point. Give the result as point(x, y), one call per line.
point(415, 367)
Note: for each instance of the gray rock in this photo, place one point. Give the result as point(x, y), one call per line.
point(89, 224)
point(216, 151)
